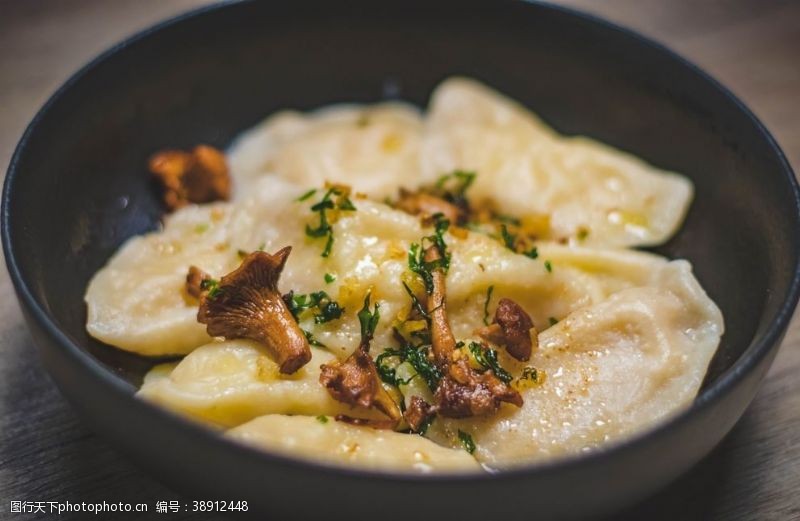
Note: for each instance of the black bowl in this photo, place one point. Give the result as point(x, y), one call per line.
point(76, 189)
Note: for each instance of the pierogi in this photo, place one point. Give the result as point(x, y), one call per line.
point(618, 339)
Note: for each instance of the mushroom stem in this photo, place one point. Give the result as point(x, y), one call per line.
point(442, 338)
point(462, 392)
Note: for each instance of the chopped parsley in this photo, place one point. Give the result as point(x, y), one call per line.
point(368, 319)
point(510, 242)
point(553, 321)
point(415, 303)
point(312, 340)
point(509, 239)
point(466, 441)
point(212, 286)
point(322, 418)
point(426, 423)
point(201, 228)
point(307, 195)
point(327, 308)
point(417, 357)
point(452, 187)
point(532, 375)
point(336, 198)
point(486, 305)
point(487, 358)
point(583, 233)
point(548, 266)
point(416, 253)
point(388, 373)
point(329, 277)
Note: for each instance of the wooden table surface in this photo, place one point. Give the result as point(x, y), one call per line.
point(46, 454)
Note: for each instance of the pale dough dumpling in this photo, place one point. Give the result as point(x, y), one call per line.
point(137, 302)
point(229, 383)
point(374, 149)
point(339, 443)
point(610, 369)
point(524, 167)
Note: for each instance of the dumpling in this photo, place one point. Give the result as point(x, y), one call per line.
point(609, 370)
point(374, 149)
point(339, 443)
point(524, 167)
point(137, 302)
point(229, 383)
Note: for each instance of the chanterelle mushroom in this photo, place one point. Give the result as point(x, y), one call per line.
point(199, 176)
point(246, 303)
point(356, 381)
point(462, 391)
point(513, 328)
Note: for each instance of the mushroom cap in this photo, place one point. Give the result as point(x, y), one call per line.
point(247, 304)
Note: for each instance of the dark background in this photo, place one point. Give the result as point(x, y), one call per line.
point(752, 46)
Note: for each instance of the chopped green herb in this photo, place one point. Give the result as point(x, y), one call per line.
point(307, 195)
point(417, 357)
point(533, 253)
point(415, 303)
point(329, 277)
point(325, 229)
point(548, 266)
point(417, 264)
point(312, 339)
point(388, 373)
point(486, 305)
point(201, 228)
point(582, 233)
point(530, 377)
point(466, 441)
point(509, 239)
point(368, 319)
point(322, 418)
point(455, 184)
point(426, 423)
point(487, 358)
point(553, 321)
point(416, 253)
point(328, 309)
point(262, 246)
point(212, 286)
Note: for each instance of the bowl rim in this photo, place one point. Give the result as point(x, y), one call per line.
point(758, 349)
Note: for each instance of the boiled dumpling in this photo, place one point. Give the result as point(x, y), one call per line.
point(374, 149)
point(329, 441)
point(609, 370)
point(524, 167)
point(229, 383)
